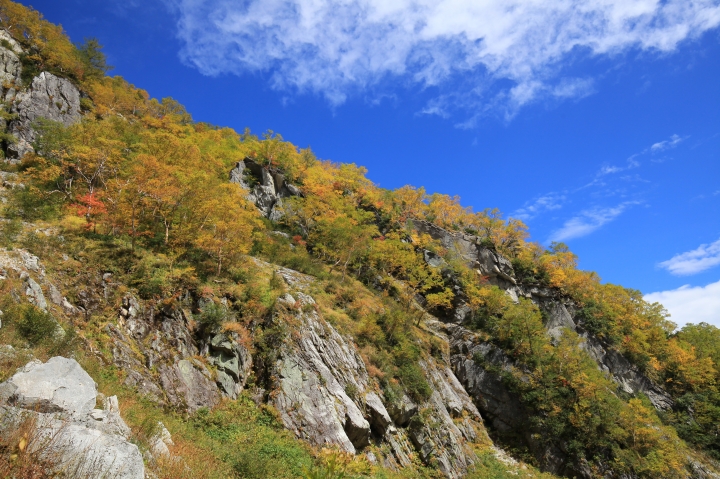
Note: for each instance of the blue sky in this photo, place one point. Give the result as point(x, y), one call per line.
point(596, 122)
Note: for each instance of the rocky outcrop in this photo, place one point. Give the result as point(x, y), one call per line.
point(448, 423)
point(49, 97)
point(494, 267)
point(10, 66)
point(628, 376)
point(158, 353)
point(321, 388)
point(35, 284)
point(233, 362)
point(321, 380)
point(267, 187)
point(54, 404)
point(480, 367)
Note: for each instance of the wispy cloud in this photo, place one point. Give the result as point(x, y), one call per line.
point(634, 162)
point(588, 221)
point(703, 257)
point(664, 145)
point(610, 183)
point(690, 304)
point(548, 202)
point(338, 47)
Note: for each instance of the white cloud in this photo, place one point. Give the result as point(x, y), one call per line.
point(337, 47)
point(549, 202)
point(664, 145)
point(587, 222)
point(691, 304)
point(704, 257)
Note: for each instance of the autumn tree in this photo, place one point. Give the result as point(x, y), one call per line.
point(228, 221)
point(343, 239)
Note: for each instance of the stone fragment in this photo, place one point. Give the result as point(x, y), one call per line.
point(35, 293)
point(379, 417)
point(160, 442)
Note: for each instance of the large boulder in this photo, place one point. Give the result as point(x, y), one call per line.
point(54, 403)
point(60, 385)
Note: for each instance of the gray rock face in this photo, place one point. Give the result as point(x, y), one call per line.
point(496, 268)
point(558, 319)
point(498, 271)
point(58, 385)
point(435, 434)
point(48, 97)
point(317, 372)
point(628, 376)
point(162, 339)
point(498, 405)
point(10, 69)
point(68, 434)
point(267, 187)
point(233, 362)
point(478, 366)
point(189, 383)
point(136, 374)
point(323, 393)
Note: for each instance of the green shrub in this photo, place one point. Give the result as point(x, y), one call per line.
point(527, 272)
point(31, 204)
point(34, 324)
point(596, 320)
point(351, 390)
point(250, 439)
point(213, 315)
point(9, 231)
point(413, 380)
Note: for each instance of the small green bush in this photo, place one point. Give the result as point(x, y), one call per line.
point(213, 315)
point(34, 324)
point(9, 231)
point(413, 379)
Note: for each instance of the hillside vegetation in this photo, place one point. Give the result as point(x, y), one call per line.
point(139, 190)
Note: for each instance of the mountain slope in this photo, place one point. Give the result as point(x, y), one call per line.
point(283, 316)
